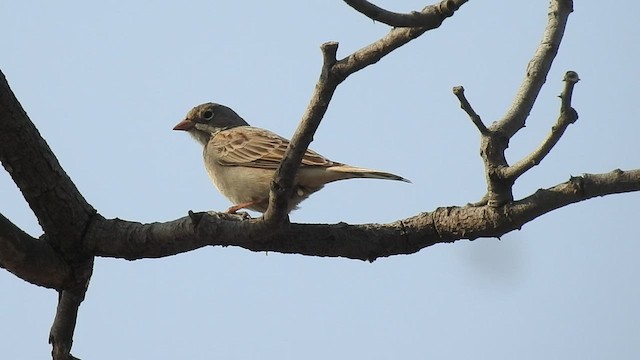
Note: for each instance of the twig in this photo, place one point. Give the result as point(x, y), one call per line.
point(568, 116)
point(395, 38)
point(464, 104)
point(413, 19)
point(570, 79)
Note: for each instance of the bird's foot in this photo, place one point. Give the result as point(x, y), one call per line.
point(234, 209)
point(237, 216)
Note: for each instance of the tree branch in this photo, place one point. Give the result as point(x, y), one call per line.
point(64, 324)
point(458, 91)
point(537, 69)
point(495, 141)
point(375, 51)
point(414, 19)
point(61, 210)
point(568, 115)
point(282, 185)
point(69, 300)
point(332, 74)
point(30, 259)
point(130, 240)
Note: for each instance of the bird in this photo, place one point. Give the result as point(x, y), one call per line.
point(241, 159)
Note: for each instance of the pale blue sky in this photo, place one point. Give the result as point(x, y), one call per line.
point(105, 83)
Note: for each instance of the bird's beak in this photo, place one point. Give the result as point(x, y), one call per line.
point(185, 125)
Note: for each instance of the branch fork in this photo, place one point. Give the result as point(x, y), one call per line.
point(500, 176)
point(494, 140)
point(333, 73)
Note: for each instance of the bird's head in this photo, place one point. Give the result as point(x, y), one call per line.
point(207, 119)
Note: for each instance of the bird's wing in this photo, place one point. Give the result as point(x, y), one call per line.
point(255, 147)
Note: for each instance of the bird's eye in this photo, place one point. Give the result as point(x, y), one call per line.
point(207, 114)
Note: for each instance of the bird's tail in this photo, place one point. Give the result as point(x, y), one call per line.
point(356, 172)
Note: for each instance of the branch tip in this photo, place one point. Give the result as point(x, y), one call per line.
point(329, 53)
point(571, 77)
point(458, 91)
point(448, 7)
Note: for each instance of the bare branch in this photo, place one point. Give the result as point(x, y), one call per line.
point(64, 324)
point(570, 79)
point(30, 259)
point(69, 300)
point(494, 143)
point(537, 69)
point(133, 240)
point(282, 185)
point(129, 240)
point(375, 51)
point(466, 106)
point(578, 188)
point(568, 115)
point(413, 19)
point(60, 208)
point(332, 74)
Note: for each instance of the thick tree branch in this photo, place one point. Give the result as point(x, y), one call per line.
point(61, 210)
point(332, 74)
point(537, 69)
point(30, 259)
point(568, 116)
point(429, 14)
point(130, 240)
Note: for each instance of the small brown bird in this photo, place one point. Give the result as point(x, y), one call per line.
point(241, 159)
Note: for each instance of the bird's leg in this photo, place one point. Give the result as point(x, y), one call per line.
point(235, 208)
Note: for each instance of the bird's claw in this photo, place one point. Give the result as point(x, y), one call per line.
point(237, 216)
